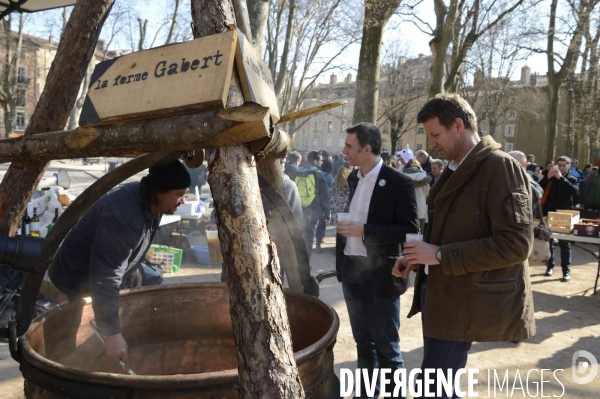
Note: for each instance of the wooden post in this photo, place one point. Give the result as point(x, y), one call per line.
point(266, 363)
point(74, 53)
point(298, 276)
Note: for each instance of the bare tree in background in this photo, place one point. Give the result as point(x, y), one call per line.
point(376, 16)
point(13, 83)
point(459, 24)
point(490, 64)
point(404, 84)
point(316, 33)
point(258, 11)
point(565, 27)
point(586, 115)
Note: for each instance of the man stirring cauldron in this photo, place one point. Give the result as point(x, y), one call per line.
point(110, 240)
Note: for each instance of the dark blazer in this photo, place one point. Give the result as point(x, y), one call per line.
point(392, 215)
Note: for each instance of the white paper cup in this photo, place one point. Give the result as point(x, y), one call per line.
point(344, 217)
point(414, 237)
point(214, 234)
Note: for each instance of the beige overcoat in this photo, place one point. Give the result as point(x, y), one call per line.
point(481, 217)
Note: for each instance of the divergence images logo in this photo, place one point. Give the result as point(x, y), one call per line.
point(583, 366)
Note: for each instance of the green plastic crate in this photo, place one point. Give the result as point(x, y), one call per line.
point(169, 258)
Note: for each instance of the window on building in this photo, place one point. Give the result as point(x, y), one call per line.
point(342, 142)
point(512, 100)
point(304, 132)
point(330, 126)
point(511, 115)
point(509, 131)
point(419, 147)
point(23, 54)
point(20, 98)
point(316, 125)
point(328, 142)
point(22, 75)
point(420, 130)
point(343, 110)
point(508, 147)
point(21, 120)
point(343, 129)
point(315, 143)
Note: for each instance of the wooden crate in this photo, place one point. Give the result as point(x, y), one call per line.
point(562, 221)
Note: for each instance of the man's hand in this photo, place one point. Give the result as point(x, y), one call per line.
point(116, 348)
point(402, 268)
point(351, 229)
point(421, 253)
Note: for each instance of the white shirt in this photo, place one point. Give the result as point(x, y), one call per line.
point(359, 208)
point(453, 165)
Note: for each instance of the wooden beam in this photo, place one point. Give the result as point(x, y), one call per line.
point(310, 111)
point(180, 132)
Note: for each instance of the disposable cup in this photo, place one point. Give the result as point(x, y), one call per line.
point(414, 237)
point(344, 217)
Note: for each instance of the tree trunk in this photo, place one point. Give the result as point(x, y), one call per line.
point(76, 111)
point(266, 363)
point(551, 120)
point(258, 11)
point(377, 14)
point(556, 78)
point(68, 68)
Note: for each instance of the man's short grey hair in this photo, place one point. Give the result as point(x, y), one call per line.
point(519, 156)
point(422, 153)
point(438, 162)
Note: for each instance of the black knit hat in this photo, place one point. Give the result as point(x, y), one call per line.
point(170, 176)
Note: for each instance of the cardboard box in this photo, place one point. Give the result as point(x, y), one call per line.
point(587, 227)
point(562, 221)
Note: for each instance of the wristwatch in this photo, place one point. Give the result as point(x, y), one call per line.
point(438, 255)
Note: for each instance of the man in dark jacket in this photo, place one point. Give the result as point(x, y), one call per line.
point(560, 187)
point(110, 240)
point(291, 167)
point(383, 209)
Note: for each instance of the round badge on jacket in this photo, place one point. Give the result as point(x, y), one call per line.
point(382, 182)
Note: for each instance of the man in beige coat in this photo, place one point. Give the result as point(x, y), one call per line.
point(473, 278)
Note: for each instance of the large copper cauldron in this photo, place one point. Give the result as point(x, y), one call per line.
point(181, 346)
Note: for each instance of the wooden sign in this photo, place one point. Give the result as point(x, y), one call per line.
point(255, 76)
point(180, 78)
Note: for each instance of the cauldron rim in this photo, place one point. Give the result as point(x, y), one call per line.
point(173, 380)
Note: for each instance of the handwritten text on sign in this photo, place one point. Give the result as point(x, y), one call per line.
point(256, 78)
point(186, 77)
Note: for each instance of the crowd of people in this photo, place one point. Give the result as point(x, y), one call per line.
point(329, 185)
point(474, 214)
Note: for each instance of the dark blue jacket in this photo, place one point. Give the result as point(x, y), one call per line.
point(109, 240)
point(392, 214)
